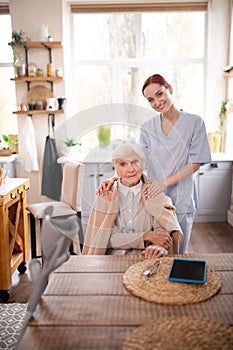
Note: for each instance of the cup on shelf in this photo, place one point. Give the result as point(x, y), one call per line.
point(61, 102)
point(59, 72)
point(51, 104)
point(39, 105)
point(31, 105)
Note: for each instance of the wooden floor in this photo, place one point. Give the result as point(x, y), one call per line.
point(214, 237)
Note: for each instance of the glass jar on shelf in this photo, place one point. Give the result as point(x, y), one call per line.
point(39, 72)
point(50, 70)
point(31, 69)
point(20, 67)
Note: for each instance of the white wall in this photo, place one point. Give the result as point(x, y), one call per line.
point(28, 15)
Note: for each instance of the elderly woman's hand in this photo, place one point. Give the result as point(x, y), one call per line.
point(152, 252)
point(159, 238)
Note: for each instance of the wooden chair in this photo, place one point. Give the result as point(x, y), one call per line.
point(70, 204)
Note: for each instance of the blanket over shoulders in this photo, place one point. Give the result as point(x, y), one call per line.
point(105, 211)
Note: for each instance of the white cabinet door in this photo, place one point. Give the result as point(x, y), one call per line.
point(214, 188)
point(105, 171)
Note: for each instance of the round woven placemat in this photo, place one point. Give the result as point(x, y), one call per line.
point(158, 289)
point(180, 333)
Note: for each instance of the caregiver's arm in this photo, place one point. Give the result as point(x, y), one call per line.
point(105, 186)
point(155, 187)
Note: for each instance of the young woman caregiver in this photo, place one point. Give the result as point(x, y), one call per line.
point(176, 145)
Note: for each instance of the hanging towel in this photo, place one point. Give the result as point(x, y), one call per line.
point(52, 170)
point(29, 151)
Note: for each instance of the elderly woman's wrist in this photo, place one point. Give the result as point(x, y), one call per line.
point(147, 237)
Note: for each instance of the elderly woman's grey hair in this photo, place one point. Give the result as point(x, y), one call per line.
point(127, 150)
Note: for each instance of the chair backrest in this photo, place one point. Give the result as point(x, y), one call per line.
point(72, 184)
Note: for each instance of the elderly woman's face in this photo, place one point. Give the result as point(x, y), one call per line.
point(129, 170)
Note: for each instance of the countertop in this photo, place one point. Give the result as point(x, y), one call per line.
point(105, 155)
point(222, 157)
point(8, 159)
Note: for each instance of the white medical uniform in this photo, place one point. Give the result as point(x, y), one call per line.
point(186, 142)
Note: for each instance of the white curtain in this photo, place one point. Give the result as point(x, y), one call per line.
point(218, 42)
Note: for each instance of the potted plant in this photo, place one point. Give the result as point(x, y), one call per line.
point(222, 123)
point(18, 45)
point(12, 142)
point(70, 142)
point(104, 134)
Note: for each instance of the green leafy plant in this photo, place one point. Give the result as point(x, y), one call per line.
point(70, 142)
point(222, 116)
point(9, 141)
point(104, 134)
point(18, 44)
point(222, 122)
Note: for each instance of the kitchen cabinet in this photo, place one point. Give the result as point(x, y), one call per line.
point(213, 183)
point(39, 79)
point(94, 174)
point(13, 232)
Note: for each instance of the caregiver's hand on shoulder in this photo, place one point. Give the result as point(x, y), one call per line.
point(154, 188)
point(159, 238)
point(105, 186)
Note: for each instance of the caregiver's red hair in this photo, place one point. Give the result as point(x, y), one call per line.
point(155, 79)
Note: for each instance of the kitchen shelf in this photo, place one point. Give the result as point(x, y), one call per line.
point(48, 45)
point(37, 79)
point(228, 74)
point(44, 44)
point(41, 111)
point(230, 109)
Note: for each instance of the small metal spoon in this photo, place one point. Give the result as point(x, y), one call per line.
point(153, 269)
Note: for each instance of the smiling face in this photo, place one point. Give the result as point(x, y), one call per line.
point(129, 169)
point(159, 97)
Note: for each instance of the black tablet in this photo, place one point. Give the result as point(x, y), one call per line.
point(187, 270)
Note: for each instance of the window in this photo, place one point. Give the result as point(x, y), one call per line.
point(8, 121)
point(113, 54)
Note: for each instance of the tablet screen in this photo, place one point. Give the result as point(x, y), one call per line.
point(187, 270)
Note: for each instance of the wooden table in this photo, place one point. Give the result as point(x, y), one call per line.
point(13, 231)
point(86, 306)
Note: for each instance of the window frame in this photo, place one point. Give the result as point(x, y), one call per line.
point(139, 7)
point(11, 126)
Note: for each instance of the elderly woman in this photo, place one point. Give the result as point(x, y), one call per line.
point(124, 221)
